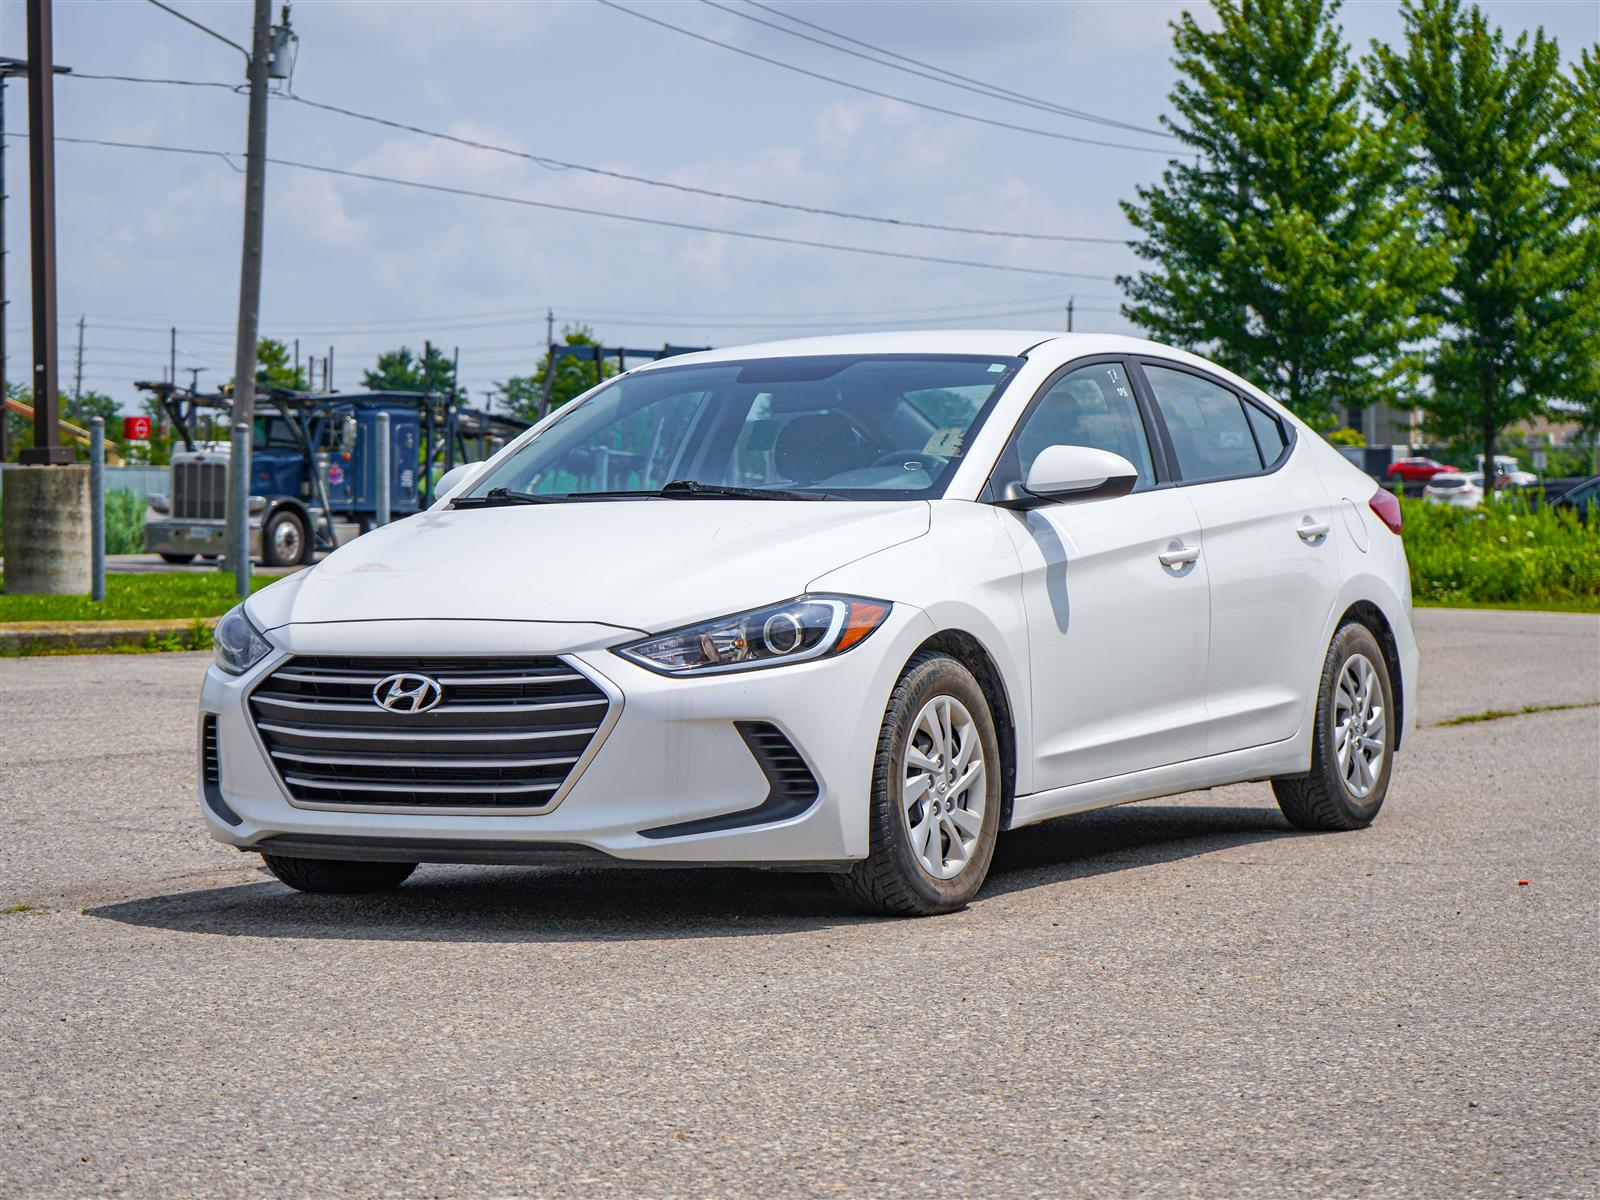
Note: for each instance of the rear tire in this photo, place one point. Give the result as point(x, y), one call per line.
point(283, 540)
point(1352, 749)
point(333, 876)
point(176, 559)
point(936, 795)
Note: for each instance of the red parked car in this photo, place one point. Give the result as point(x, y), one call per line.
point(1416, 470)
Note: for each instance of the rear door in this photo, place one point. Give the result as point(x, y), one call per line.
point(1272, 563)
point(1114, 590)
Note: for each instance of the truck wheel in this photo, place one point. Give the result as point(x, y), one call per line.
point(283, 540)
point(180, 559)
point(337, 876)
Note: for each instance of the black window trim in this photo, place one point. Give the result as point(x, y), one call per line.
point(1142, 385)
point(1005, 470)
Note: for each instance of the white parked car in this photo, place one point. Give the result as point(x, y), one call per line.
point(1508, 471)
point(851, 604)
point(1456, 488)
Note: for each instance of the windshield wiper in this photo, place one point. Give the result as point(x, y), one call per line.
point(496, 496)
point(689, 489)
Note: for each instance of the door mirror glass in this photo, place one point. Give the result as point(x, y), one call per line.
point(1073, 473)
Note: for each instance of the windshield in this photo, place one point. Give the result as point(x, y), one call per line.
point(838, 427)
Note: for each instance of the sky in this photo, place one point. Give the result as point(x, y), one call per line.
point(150, 240)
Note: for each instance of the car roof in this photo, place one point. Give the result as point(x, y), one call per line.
point(999, 343)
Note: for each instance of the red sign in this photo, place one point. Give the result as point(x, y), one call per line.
point(135, 429)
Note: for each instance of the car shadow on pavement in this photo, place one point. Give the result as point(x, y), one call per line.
point(503, 904)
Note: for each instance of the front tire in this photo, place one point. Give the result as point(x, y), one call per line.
point(337, 877)
point(936, 795)
point(1352, 749)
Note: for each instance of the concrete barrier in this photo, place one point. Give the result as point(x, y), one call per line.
point(47, 531)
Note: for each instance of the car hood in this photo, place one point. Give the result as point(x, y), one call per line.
point(643, 565)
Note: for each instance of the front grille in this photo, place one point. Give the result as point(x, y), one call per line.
point(505, 735)
point(200, 490)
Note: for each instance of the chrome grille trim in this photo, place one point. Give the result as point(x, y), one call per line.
point(510, 736)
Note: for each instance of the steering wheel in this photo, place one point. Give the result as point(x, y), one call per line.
point(912, 460)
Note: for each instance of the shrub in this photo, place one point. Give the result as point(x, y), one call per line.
point(1502, 553)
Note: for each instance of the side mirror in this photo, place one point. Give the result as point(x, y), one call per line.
point(453, 478)
point(1072, 473)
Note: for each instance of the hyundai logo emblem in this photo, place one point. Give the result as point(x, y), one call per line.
point(405, 693)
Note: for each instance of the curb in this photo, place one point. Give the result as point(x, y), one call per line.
point(32, 637)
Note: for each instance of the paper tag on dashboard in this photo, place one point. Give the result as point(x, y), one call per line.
point(945, 442)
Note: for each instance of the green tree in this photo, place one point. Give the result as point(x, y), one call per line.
point(403, 371)
point(1497, 137)
point(574, 376)
point(274, 367)
point(1285, 246)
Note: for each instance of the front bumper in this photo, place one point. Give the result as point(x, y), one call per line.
point(171, 535)
point(672, 754)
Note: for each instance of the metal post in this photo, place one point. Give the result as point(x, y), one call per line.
point(327, 369)
point(97, 507)
point(5, 439)
point(383, 468)
point(47, 448)
point(77, 370)
point(244, 357)
point(240, 561)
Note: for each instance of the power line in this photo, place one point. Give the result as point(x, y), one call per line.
point(964, 82)
point(856, 87)
point(550, 206)
point(556, 164)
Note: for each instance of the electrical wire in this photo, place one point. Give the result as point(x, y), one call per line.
point(857, 87)
point(963, 82)
point(556, 164)
point(632, 218)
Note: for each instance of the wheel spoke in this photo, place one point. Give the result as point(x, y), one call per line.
point(915, 789)
point(967, 820)
point(959, 850)
point(966, 779)
point(916, 758)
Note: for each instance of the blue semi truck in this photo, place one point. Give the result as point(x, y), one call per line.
point(313, 468)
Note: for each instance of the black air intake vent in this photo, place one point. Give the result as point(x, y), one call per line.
point(211, 771)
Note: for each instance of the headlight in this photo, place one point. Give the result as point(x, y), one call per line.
point(794, 631)
point(237, 644)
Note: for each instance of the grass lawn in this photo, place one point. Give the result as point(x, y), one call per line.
point(134, 598)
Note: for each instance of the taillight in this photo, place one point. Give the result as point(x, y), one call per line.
point(1387, 507)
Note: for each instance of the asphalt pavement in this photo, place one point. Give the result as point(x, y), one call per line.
point(1176, 998)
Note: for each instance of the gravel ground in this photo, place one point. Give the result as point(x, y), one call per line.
point(1178, 998)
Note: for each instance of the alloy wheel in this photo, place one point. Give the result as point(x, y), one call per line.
point(943, 787)
point(1358, 726)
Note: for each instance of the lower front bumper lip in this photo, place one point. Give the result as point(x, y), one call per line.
point(465, 852)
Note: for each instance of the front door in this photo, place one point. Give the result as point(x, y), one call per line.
point(1115, 592)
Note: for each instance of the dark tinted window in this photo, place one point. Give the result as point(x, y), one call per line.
point(1210, 433)
point(1269, 434)
point(1092, 406)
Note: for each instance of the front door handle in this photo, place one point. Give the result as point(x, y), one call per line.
point(1179, 556)
point(1310, 530)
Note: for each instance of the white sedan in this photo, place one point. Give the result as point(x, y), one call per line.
point(1455, 488)
point(852, 604)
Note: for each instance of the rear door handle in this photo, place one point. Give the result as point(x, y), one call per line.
point(1179, 556)
point(1310, 530)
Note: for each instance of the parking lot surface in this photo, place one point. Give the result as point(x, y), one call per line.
point(1176, 998)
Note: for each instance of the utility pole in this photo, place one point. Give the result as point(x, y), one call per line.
point(77, 371)
point(47, 448)
point(244, 356)
point(194, 380)
point(172, 356)
point(1070, 301)
point(327, 370)
point(549, 362)
point(297, 363)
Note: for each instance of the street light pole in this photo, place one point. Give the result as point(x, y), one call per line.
point(244, 358)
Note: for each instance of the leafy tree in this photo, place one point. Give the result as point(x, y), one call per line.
point(80, 410)
point(574, 376)
point(274, 367)
point(1286, 247)
point(1497, 135)
point(403, 371)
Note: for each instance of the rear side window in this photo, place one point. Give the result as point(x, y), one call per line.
point(1210, 432)
point(1269, 434)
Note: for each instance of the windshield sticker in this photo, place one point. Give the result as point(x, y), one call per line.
point(946, 441)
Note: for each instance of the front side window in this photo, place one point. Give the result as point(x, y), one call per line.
point(1210, 432)
point(1092, 406)
point(850, 427)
